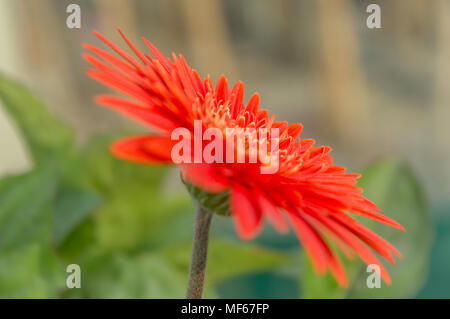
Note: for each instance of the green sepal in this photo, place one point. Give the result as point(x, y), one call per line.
point(214, 202)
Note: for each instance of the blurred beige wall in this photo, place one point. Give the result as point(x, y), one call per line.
point(13, 157)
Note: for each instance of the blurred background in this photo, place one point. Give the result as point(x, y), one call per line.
point(366, 92)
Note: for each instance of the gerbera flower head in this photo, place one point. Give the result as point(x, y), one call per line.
point(306, 193)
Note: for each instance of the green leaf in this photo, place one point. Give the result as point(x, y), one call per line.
point(395, 189)
point(227, 259)
point(79, 242)
point(137, 214)
point(47, 138)
point(28, 266)
point(73, 205)
point(129, 276)
point(23, 201)
point(30, 272)
point(215, 203)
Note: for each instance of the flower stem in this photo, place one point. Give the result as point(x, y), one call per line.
point(199, 255)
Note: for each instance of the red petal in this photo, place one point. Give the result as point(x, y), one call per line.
point(364, 253)
point(238, 97)
point(295, 130)
point(121, 52)
point(116, 62)
point(140, 113)
point(203, 176)
point(272, 213)
point(379, 244)
point(378, 217)
point(136, 51)
point(246, 216)
point(253, 103)
point(222, 91)
point(158, 55)
point(338, 270)
point(151, 150)
point(348, 251)
point(313, 244)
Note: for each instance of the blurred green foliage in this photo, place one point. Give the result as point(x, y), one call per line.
point(131, 235)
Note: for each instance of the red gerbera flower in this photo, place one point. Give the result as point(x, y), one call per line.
point(308, 191)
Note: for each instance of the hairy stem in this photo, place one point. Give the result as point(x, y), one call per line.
point(199, 255)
